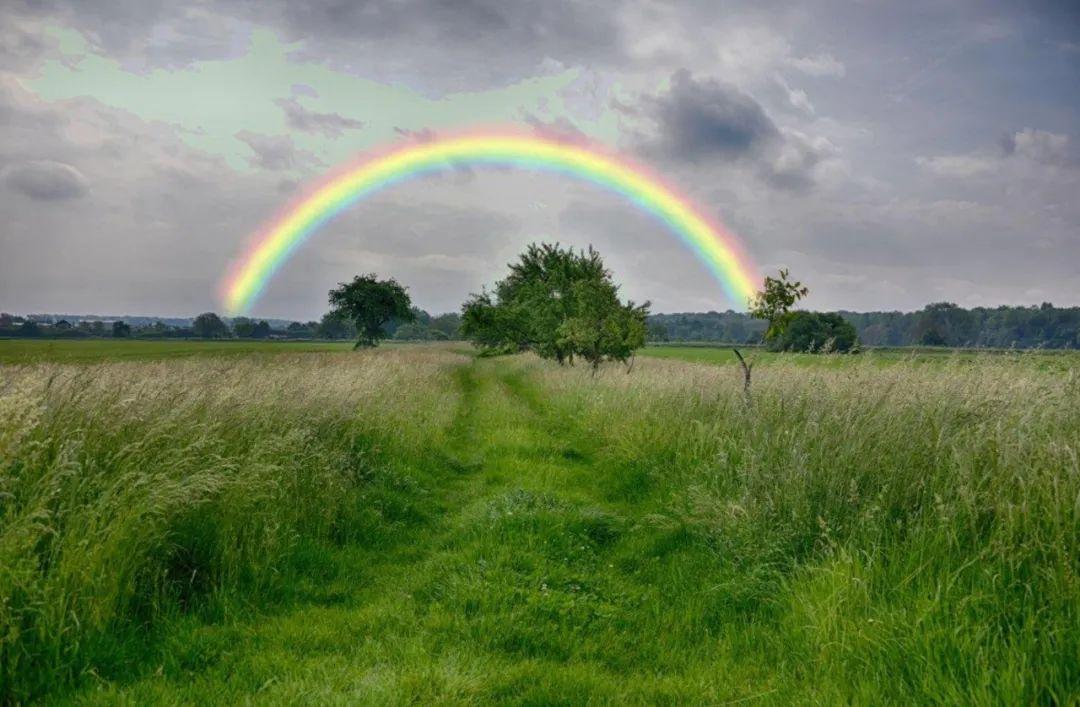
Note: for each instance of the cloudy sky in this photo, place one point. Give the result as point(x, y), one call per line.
point(890, 154)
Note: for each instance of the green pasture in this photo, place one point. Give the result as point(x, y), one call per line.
point(204, 523)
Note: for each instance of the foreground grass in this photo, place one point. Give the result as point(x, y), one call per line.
point(1060, 360)
point(29, 351)
point(420, 526)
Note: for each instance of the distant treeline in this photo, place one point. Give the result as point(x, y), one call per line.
point(939, 324)
point(210, 326)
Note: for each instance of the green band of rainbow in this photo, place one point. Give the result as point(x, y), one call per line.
point(716, 247)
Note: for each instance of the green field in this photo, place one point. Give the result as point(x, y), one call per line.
point(1061, 360)
point(419, 525)
point(15, 351)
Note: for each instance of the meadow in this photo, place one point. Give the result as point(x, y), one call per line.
point(29, 351)
point(417, 524)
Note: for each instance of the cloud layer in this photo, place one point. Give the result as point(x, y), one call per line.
point(889, 154)
point(44, 180)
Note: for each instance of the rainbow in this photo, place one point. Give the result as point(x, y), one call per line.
point(716, 247)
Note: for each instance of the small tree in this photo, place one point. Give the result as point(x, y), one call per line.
point(121, 329)
point(656, 331)
point(371, 303)
point(296, 330)
point(334, 325)
point(449, 324)
point(774, 302)
point(261, 330)
point(209, 326)
point(243, 327)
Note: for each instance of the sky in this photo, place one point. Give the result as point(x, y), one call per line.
point(889, 154)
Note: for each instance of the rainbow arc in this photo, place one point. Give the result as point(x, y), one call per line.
point(716, 247)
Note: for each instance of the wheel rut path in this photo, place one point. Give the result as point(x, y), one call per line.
point(512, 572)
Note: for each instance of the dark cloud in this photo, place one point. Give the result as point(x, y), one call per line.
point(332, 125)
point(453, 42)
point(705, 122)
point(450, 43)
point(703, 119)
point(45, 180)
point(275, 152)
point(853, 141)
point(143, 34)
point(21, 45)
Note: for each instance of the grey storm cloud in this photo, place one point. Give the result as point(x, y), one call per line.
point(331, 125)
point(275, 152)
point(704, 121)
point(452, 34)
point(435, 44)
point(141, 34)
point(700, 119)
point(46, 180)
point(857, 142)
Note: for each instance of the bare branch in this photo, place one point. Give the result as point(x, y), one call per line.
point(747, 368)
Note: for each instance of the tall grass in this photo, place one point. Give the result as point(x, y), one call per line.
point(859, 533)
point(913, 531)
point(133, 491)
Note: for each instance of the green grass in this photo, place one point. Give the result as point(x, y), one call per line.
point(22, 351)
point(1053, 359)
point(420, 526)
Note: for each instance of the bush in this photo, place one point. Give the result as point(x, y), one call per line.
point(815, 331)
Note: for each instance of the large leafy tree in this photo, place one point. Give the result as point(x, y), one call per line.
point(774, 301)
point(370, 303)
point(496, 327)
point(560, 303)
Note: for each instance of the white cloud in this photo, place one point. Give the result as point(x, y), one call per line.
point(819, 65)
point(1040, 146)
point(796, 97)
point(958, 166)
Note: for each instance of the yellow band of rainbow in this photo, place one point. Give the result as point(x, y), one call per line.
point(715, 246)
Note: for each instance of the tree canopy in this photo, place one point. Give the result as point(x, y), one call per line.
point(559, 303)
point(210, 326)
point(370, 303)
point(774, 302)
point(816, 332)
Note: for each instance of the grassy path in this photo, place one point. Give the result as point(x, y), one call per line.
point(426, 527)
point(515, 572)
